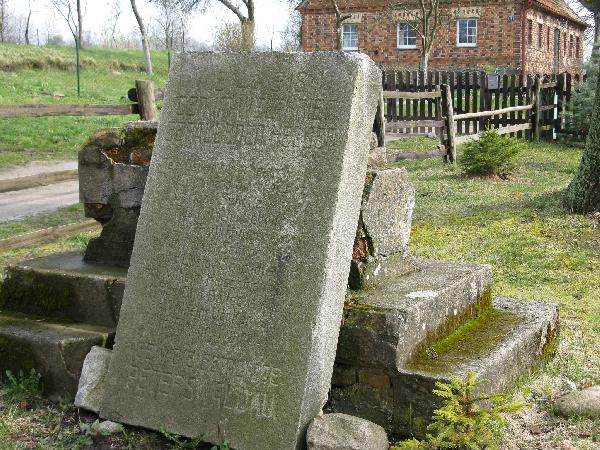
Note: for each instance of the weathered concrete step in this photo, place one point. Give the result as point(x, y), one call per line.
point(514, 337)
point(55, 349)
point(388, 324)
point(64, 286)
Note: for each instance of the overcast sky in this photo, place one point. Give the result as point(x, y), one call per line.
point(271, 18)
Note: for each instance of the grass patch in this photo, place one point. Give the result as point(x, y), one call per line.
point(413, 144)
point(63, 216)
point(30, 74)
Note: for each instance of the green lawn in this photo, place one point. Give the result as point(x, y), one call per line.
point(30, 74)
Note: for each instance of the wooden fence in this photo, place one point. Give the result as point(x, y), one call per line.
point(143, 95)
point(524, 107)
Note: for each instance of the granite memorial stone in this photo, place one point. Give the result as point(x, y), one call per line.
point(235, 292)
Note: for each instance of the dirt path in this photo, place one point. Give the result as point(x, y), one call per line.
point(28, 202)
point(37, 168)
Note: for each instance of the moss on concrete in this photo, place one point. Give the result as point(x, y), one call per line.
point(15, 355)
point(476, 338)
point(480, 307)
point(23, 291)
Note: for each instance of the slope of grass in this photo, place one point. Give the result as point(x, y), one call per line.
point(30, 74)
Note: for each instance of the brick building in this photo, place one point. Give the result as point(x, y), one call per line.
point(536, 36)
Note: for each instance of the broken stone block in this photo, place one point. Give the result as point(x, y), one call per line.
point(401, 341)
point(374, 143)
point(584, 403)
point(377, 157)
point(90, 390)
point(113, 167)
point(381, 243)
point(56, 350)
point(63, 286)
point(344, 432)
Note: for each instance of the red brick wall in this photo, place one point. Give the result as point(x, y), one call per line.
point(498, 37)
point(541, 60)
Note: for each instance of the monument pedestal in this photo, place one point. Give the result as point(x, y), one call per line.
point(53, 310)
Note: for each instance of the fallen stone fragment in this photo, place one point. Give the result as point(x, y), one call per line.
point(579, 403)
point(98, 428)
point(374, 141)
point(377, 157)
point(344, 432)
point(92, 381)
point(108, 427)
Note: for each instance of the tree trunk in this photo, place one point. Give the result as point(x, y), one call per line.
point(339, 32)
point(2, 20)
point(248, 35)
point(80, 23)
point(424, 62)
point(27, 28)
point(248, 27)
point(583, 194)
point(145, 45)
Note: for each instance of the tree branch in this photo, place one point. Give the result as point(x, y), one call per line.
point(234, 9)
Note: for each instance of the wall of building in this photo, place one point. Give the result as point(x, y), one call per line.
point(540, 59)
point(498, 37)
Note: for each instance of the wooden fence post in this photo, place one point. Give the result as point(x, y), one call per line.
point(537, 99)
point(146, 100)
point(380, 121)
point(447, 95)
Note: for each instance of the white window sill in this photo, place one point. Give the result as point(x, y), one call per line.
point(466, 45)
point(407, 47)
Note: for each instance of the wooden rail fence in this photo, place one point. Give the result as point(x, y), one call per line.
point(143, 95)
point(524, 107)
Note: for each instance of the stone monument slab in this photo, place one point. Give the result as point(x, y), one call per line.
point(235, 292)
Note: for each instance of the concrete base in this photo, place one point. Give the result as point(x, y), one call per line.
point(499, 345)
point(55, 349)
point(389, 323)
point(64, 286)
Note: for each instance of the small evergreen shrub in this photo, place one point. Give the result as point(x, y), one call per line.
point(579, 116)
point(464, 423)
point(492, 154)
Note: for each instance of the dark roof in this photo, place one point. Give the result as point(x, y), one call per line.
point(561, 8)
point(557, 7)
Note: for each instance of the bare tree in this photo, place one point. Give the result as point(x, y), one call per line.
point(228, 38)
point(172, 22)
point(243, 9)
point(3, 20)
point(70, 13)
point(27, 25)
point(590, 12)
point(291, 35)
point(110, 33)
point(66, 9)
point(145, 44)
point(339, 24)
point(425, 18)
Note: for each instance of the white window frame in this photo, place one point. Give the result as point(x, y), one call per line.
point(466, 44)
point(350, 24)
point(403, 46)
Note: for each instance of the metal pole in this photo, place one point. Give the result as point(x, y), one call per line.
point(78, 67)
